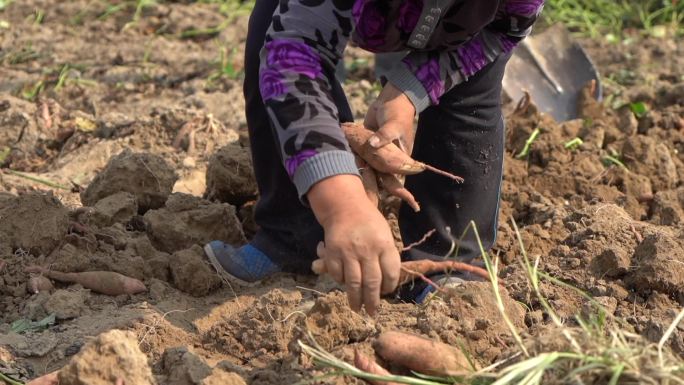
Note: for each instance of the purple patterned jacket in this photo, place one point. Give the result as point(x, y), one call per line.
point(447, 41)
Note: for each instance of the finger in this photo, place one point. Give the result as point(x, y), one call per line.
point(318, 267)
point(387, 134)
point(390, 264)
point(333, 266)
point(352, 280)
point(371, 118)
point(372, 282)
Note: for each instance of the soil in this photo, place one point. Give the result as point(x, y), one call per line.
point(144, 148)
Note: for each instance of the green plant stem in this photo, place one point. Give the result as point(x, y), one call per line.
point(9, 380)
point(36, 179)
point(572, 144)
point(615, 161)
point(528, 143)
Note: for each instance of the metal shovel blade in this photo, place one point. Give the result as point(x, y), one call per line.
point(553, 69)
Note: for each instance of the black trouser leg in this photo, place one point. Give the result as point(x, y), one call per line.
point(288, 231)
point(464, 135)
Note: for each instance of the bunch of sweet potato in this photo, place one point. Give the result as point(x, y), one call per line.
point(386, 166)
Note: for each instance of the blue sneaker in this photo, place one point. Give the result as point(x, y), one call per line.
point(245, 265)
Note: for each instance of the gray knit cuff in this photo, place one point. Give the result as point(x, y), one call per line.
point(407, 82)
point(321, 166)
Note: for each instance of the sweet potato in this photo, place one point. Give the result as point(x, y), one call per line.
point(370, 181)
point(421, 354)
point(47, 379)
point(39, 284)
point(104, 282)
point(411, 270)
point(388, 159)
point(369, 366)
point(394, 187)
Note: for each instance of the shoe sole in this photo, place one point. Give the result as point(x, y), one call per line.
point(223, 273)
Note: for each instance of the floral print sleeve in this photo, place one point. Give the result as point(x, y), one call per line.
point(426, 75)
point(302, 48)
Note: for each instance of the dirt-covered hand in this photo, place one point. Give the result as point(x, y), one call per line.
point(392, 116)
point(358, 248)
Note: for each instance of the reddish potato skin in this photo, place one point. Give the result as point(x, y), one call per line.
point(389, 159)
point(421, 354)
point(368, 365)
point(394, 186)
point(103, 282)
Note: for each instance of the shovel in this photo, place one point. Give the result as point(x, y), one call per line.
point(553, 69)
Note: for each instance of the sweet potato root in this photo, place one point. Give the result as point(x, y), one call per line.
point(388, 159)
point(368, 365)
point(104, 282)
point(394, 186)
point(421, 354)
point(412, 270)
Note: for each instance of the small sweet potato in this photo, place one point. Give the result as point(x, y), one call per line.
point(421, 354)
point(368, 365)
point(388, 159)
point(393, 186)
point(104, 282)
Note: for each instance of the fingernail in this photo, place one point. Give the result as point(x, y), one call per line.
point(374, 141)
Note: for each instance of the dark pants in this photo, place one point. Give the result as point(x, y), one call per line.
point(464, 134)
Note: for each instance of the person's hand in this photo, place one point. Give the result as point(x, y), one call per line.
point(358, 250)
point(392, 116)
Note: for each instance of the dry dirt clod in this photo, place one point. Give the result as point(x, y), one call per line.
point(39, 284)
point(221, 377)
point(187, 220)
point(192, 273)
point(332, 322)
point(34, 222)
point(183, 367)
point(116, 208)
point(147, 176)
point(66, 304)
point(659, 265)
point(230, 177)
point(262, 331)
point(111, 356)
